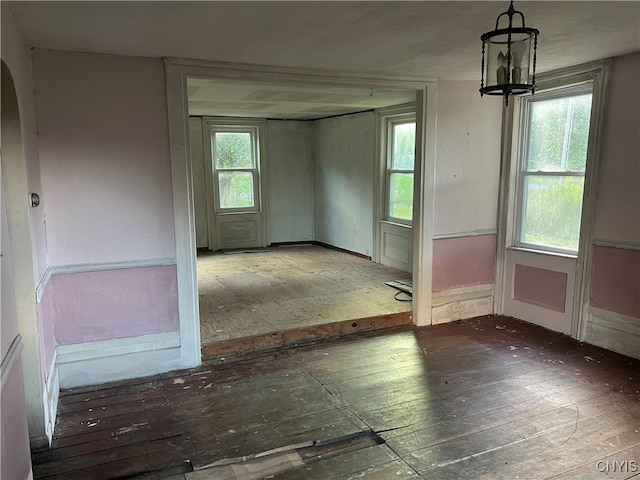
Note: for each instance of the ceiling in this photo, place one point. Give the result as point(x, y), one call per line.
point(417, 39)
point(294, 102)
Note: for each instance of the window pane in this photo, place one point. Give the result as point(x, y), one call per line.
point(552, 210)
point(236, 189)
point(401, 196)
point(558, 134)
point(233, 150)
point(404, 146)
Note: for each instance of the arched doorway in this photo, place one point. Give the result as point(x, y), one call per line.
point(15, 203)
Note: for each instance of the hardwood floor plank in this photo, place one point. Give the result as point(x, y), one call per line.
point(272, 290)
point(621, 465)
point(478, 453)
point(341, 465)
point(474, 401)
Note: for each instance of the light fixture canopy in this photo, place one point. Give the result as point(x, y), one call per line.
point(509, 58)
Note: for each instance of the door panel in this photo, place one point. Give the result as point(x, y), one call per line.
point(239, 230)
point(396, 246)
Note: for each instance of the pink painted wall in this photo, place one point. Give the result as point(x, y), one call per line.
point(104, 155)
point(615, 272)
point(15, 459)
point(44, 309)
point(615, 280)
point(538, 286)
point(102, 305)
point(463, 261)
point(467, 158)
point(618, 216)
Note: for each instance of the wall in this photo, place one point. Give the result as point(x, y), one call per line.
point(290, 174)
point(16, 54)
point(344, 174)
point(20, 164)
point(613, 318)
point(104, 154)
point(106, 180)
point(15, 459)
point(466, 198)
point(289, 180)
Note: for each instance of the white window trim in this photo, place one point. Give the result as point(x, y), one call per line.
point(598, 73)
point(521, 173)
point(386, 118)
point(214, 127)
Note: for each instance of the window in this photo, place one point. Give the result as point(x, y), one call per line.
point(554, 141)
point(400, 138)
point(235, 169)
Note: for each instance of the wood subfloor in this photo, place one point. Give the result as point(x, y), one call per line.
point(487, 398)
point(254, 292)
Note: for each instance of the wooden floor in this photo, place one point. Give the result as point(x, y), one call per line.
point(247, 293)
point(488, 398)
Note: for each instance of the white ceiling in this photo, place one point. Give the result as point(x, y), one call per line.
point(421, 39)
point(248, 99)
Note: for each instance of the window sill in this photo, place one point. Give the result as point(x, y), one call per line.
point(543, 252)
point(396, 224)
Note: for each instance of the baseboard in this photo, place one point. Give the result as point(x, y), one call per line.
point(39, 443)
point(50, 398)
point(613, 331)
point(118, 359)
point(460, 303)
point(340, 249)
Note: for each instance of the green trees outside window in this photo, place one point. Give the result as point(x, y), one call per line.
point(553, 171)
point(235, 165)
point(400, 186)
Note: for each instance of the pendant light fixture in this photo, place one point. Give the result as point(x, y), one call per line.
point(509, 58)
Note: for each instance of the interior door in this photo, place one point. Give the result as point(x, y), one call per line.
point(236, 202)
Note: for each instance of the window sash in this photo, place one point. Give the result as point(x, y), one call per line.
point(524, 174)
point(253, 132)
point(390, 123)
point(390, 191)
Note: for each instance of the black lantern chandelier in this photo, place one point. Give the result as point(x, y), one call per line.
point(509, 58)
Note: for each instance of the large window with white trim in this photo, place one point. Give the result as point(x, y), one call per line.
point(400, 147)
point(554, 140)
point(235, 168)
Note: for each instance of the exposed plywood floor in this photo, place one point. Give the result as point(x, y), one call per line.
point(285, 288)
point(489, 398)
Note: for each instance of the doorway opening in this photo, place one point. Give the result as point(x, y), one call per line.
point(299, 250)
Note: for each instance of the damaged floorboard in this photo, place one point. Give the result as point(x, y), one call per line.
point(486, 398)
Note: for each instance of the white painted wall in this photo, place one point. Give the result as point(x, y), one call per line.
point(344, 173)
point(467, 158)
point(104, 156)
point(290, 180)
point(16, 54)
point(29, 256)
point(199, 176)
